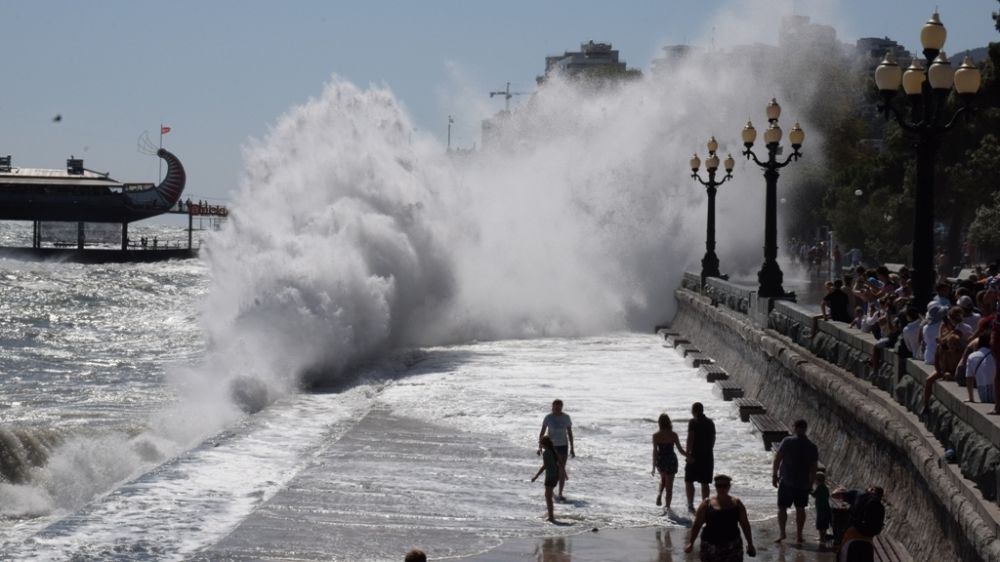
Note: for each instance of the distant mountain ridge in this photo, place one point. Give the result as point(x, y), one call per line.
point(978, 56)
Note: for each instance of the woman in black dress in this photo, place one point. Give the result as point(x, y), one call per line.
point(722, 516)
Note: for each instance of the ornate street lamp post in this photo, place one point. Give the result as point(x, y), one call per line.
point(770, 276)
point(710, 263)
point(926, 89)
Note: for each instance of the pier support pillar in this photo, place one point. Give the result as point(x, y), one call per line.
point(79, 236)
point(190, 227)
point(36, 234)
point(124, 236)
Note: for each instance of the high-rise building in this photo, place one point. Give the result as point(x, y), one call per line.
point(591, 58)
point(873, 49)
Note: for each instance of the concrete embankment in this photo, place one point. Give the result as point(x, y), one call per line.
point(800, 366)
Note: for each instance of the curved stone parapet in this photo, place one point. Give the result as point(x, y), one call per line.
point(800, 366)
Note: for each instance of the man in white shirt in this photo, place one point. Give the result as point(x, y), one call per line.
point(560, 428)
point(981, 367)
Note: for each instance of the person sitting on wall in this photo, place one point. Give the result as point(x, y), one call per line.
point(948, 355)
point(929, 332)
point(911, 333)
point(981, 370)
point(890, 331)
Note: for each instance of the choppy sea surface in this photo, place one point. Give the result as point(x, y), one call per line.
point(100, 460)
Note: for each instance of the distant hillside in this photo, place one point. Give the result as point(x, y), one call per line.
point(978, 56)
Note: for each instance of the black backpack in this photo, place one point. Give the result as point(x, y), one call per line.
point(868, 515)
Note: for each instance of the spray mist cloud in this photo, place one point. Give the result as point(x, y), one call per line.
point(353, 234)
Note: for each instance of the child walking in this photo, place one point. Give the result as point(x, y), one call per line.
point(824, 514)
point(553, 470)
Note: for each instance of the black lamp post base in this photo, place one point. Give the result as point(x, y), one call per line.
point(770, 278)
point(709, 266)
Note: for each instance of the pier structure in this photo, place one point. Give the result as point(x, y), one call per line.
point(78, 196)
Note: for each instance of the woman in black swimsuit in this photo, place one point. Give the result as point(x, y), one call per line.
point(664, 458)
point(722, 516)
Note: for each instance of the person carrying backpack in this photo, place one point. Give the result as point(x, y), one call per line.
point(867, 518)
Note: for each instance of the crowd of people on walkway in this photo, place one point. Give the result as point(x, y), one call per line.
point(201, 207)
point(957, 332)
point(721, 519)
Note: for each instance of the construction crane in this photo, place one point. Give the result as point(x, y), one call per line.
point(507, 94)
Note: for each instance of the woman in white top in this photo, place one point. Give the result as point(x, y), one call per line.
point(929, 333)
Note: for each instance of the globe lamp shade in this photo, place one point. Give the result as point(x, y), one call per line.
point(888, 75)
point(933, 34)
point(772, 135)
point(940, 73)
point(712, 163)
point(796, 136)
point(773, 110)
point(913, 78)
point(749, 135)
point(967, 77)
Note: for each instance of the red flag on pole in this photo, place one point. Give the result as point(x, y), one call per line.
point(164, 130)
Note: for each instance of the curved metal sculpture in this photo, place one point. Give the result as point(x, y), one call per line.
point(163, 196)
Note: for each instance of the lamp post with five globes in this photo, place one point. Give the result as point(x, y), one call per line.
point(770, 276)
point(710, 263)
point(927, 90)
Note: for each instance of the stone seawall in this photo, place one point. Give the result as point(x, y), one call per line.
point(865, 435)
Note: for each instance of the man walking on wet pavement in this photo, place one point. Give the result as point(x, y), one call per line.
point(560, 429)
point(700, 459)
point(793, 473)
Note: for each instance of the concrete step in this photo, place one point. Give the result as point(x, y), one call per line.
point(771, 429)
point(748, 406)
point(729, 389)
point(686, 348)
point(712, 372)
point(664, 332)
point(697, 359)
point(672, 341)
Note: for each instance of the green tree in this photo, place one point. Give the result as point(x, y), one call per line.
point(984, 233)
point(973, 179)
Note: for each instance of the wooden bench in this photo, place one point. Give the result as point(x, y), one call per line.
point(673, 341)
point(729, 389)
point(697, 359)
point(748, 406)
point(686, 349)
point(713, 372)
point(888, 549)
point(771, 429)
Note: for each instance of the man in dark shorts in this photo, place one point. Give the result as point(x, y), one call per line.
point(700, 460)
point(560, 429)
point(796, 462)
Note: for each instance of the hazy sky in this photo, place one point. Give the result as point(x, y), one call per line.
point(220, 72)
